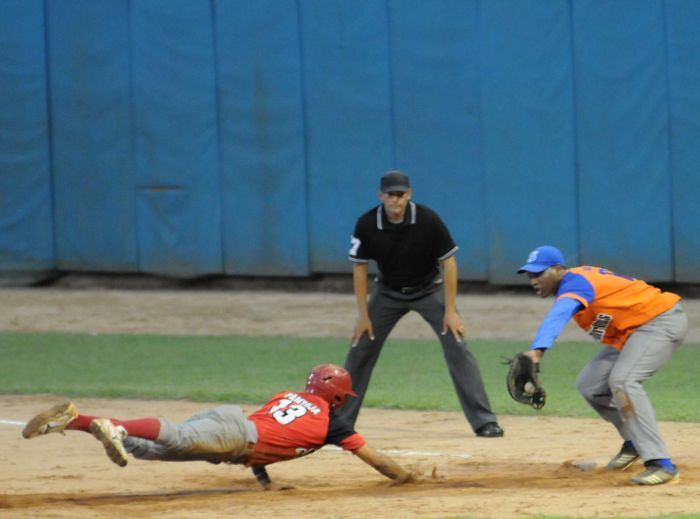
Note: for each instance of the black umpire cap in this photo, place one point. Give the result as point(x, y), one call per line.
point(394, 181)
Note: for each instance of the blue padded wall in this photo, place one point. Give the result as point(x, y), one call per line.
point(263, 188)
point(196, 137)
point(348, 120)
point(683, 49)
point(528, 143)
point(88, 43)
point(624, 181)
point(26, 210)
point(435, 88)
point(176, 150)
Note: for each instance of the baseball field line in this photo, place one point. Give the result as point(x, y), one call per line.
point(409, 453)
point(4, 421)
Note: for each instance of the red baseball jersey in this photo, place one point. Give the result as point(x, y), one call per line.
point(294, 424)
point(614, 305)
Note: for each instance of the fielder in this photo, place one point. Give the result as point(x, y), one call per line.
point(291, 425)
point(640, 327)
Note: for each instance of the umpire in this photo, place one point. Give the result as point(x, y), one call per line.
point(410, 242)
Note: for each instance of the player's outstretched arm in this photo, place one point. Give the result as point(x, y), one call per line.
point(385, 465)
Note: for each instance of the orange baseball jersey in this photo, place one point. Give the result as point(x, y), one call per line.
point(614, 305)
point(294, 424)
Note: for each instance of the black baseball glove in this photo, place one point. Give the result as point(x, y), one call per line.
point(523, 381)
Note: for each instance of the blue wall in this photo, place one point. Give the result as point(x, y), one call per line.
point(192, 137)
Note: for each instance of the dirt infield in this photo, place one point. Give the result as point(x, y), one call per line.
point(525, 474)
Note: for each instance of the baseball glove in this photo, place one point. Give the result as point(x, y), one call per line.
point(523, 381)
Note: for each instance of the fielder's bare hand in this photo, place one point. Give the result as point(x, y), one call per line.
point(536, 355)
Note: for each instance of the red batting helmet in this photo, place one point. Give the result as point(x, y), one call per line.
point(330, 382)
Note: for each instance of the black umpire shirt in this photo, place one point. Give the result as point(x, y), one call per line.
point(407, 253)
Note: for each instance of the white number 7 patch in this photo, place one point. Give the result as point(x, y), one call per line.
point(354, 245)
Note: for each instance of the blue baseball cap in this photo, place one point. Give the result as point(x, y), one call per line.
point(542, 258)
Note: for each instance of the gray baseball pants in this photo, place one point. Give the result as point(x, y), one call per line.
point(222, 434)
point(384, 313)
point(612, 382)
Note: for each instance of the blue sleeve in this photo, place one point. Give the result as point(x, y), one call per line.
point(577, 284)
point(553, 324)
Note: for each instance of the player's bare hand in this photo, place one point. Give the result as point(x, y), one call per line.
point(417, 477)
point(453, 324)
point(363, 325)
point(434, 477)
point(279, 485)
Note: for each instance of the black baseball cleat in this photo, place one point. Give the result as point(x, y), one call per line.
point(626, 457)
point(490, 430)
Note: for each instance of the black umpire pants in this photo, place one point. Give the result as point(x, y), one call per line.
point(385, 309)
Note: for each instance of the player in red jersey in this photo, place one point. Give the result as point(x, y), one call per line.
point(292, 424)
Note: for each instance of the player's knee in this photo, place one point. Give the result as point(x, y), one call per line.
point(584, 387)
point(624, 395)
point(141, 449)
point(621, 383)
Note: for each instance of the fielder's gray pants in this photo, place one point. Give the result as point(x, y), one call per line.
point(612, 382)
point(222, 434)
point(384, 313)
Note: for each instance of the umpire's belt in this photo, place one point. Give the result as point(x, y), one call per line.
point(414, 289)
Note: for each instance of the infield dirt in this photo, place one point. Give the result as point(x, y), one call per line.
point(527, 473)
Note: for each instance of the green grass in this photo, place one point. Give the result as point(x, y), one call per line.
point(410, 374)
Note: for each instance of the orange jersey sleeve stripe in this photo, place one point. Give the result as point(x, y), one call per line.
point(572, 295)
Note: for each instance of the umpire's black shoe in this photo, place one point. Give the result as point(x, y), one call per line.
point(490, 430)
